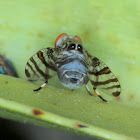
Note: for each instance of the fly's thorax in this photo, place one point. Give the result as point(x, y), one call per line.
point(72, 72)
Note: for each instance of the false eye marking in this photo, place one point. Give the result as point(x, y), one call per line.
point(80, 48)
point(60, 38)
point(74, 46)
point(79, 39)
point(71, 47)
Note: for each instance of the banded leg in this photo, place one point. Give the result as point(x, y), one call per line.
point(42, 86)
point(88, 90)
point(97, 93)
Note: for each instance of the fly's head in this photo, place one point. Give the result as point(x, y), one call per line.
point(68, 43)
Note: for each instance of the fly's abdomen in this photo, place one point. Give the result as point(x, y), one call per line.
point(73, 74)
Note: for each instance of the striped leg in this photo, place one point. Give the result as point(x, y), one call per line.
point(97, 93)
point(42, 86)
point(88, 90)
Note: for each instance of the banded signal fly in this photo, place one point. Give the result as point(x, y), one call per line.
point(74, 67)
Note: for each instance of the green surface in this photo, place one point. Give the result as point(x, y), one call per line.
point(67, 109)
point(109, 30)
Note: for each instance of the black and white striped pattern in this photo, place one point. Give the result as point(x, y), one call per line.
point(38, 65)
point(102, 78)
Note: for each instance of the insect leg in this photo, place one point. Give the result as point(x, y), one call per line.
point(94, 88)
point(97, 93)
point(88, 90)
point(42, 86)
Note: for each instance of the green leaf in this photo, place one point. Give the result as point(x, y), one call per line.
point(109, 31)
point(66, 110)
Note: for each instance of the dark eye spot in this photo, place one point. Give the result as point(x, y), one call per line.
point(80, 48)
point(71, 47)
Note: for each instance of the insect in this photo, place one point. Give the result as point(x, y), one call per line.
point(74, 67)
point(6, 67)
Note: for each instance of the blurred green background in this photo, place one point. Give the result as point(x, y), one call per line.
point(109, 30)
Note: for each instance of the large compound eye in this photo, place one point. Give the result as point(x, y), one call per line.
point(79, 39)
point(60, 38)
point(71, 47)
point(80, 48)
